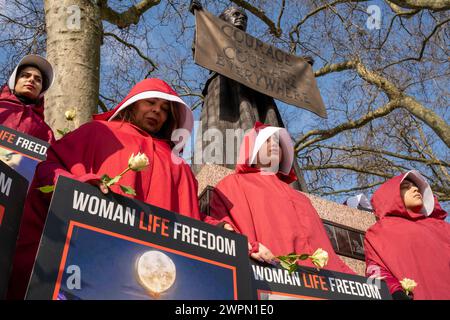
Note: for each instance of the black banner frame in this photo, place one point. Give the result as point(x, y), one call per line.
point(11, 210)
point(49, 264)
point(313, 284)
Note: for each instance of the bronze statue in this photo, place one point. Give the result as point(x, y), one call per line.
point(230, 105)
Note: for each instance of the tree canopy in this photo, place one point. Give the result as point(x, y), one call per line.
point(382, 68)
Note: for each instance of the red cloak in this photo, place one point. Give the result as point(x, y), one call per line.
point(267, 210)
point(403, 244)
point(104, 147)
point(28, 119)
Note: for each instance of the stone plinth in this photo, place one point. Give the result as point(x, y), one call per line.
point(327, 210)
point(341, 214)
point(210, 175)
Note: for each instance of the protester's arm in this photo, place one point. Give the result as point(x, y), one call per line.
point(261, 253)
point(394, 286)
point(65, 158)
point(219, 212)
point(256, 250)
point(51, 136)
point(375, 269)
point(48, 172)
point(220, 217)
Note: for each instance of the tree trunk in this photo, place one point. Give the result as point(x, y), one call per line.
point(73, 47)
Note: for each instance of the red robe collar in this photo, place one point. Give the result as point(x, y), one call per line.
point(8, 96)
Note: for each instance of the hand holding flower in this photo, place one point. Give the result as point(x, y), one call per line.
point(136, 163)
point(289, 262)
point(408, 285)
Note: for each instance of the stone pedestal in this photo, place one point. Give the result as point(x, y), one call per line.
point(338, 214)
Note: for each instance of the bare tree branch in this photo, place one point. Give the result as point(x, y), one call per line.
point(132, 46)
point(434, 5)
point(283, 5)
point(106, 98)
point(329, 133)
point(439, 125)
point(102, 105)
point(442, 193)
point(348, 167)
point(399, 12)
point(129, 17)
point(376, 79)
point(428, 150)
point(273, 29)
point(422, 50)
point(433, 161)
point(337, 67)
point(369, 186)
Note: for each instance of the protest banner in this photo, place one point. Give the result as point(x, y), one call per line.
point(97, 246)
point(21, 152)
point(13, 190)
point(276, 283)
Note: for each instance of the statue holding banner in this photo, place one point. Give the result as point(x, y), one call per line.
point(246, 76)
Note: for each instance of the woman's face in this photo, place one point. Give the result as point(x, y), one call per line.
point(412, 198)
point(29, 83)
point(150, 114)
point(270, 154)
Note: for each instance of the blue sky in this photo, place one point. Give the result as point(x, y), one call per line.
point(160, 37)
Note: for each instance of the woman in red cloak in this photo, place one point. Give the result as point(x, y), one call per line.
point(258, 202)
point(22, 98)
point(143, 122)
point(410, 239)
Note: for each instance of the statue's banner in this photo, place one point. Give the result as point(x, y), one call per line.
point(276, 283)
point(98, 246)
point(221, 47)
point(13, 190)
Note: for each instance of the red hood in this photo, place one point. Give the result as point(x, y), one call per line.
point(387, 201)
point(8, 96)
point(246, 151)
point(152, 88)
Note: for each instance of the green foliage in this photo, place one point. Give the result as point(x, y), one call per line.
point(128, 190)
point(46, 189)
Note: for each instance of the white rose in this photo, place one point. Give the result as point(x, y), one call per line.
point(408, 285)
point(138, 162)
point(319, 258)
point(70, 114)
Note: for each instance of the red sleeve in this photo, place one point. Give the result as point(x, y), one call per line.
point(254, 247)
point(376, 269)
point(66, 157)
point(211, 220)
point(51, 137)
point(219, 210)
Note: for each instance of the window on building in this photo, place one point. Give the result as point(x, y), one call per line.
point(345, 240)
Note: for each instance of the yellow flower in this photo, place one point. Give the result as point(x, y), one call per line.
point(70, 114)
point(319, 258)
point(408, 285)
point(138, 162)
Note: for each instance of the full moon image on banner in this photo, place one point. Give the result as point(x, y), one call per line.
point(156, 272)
